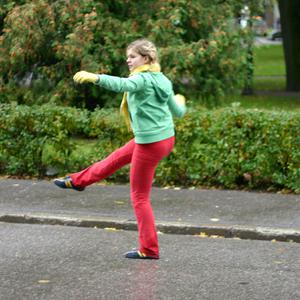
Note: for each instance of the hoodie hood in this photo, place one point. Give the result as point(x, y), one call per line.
point(160, 83)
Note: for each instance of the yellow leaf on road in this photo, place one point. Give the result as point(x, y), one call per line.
point(111, 229)
point(120, 202)
point(202, 234)
point(44, 281)
point(216, 237)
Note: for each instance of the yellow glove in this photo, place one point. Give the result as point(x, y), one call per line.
point(83, 76)
point(180, 99)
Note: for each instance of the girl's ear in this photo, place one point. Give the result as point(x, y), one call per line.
point(146, 59)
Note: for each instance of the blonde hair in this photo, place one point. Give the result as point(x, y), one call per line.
point(145, 48)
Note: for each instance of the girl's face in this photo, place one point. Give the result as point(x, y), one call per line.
point(135, 59)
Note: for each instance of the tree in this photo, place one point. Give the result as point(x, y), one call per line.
point(290, 24)
point(43, 43)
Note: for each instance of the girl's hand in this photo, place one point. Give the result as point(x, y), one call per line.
point(83, 76)
point(180, 99)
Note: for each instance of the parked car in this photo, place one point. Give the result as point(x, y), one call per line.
point(276, 36)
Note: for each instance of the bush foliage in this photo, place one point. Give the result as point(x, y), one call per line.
point(230, 148)
point(43, 43)
point(27, 132)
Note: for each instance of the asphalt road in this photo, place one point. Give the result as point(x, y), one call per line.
point(62, 262)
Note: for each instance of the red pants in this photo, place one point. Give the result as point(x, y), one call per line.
point(144, 159)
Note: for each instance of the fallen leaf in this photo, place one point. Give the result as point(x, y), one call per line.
point(216, 236)
point(120, 202)
point(111, 229)
point(44, 281)
point(202, 234)
point(215, 219)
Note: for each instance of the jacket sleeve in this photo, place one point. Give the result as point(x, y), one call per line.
point(177, 110)
point(120, 84)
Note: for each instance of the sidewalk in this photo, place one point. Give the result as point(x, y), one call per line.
point(262, 41)
point(245, 215)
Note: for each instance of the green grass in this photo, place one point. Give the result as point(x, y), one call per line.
point(269, 75)
point(269, 61)
point(275, 83)
point(267, 102)
point(269, 68)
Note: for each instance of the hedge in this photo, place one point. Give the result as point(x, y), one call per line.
point(26, 132)
point(229, 148)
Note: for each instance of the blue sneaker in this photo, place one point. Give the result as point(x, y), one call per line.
point(135, 254)
point(66, 183)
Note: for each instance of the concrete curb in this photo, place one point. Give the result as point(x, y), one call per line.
point(226, 231)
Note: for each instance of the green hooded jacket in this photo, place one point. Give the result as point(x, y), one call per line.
point(151, 104)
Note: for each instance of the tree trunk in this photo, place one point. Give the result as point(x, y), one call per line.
point(290, 26)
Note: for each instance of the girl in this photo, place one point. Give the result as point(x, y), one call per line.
point(148, 106)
